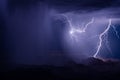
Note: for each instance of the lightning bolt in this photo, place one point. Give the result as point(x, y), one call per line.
point(80, 30)
point(83, 29)
point(86, 26)
point(77, 30)
point(100, 38)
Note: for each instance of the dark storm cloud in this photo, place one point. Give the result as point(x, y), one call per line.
point(72, 5)
point(83, 3)
point(66, 5)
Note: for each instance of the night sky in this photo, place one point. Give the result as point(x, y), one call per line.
point(32, 34)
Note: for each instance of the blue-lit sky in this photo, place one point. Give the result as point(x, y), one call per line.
point(34, 32)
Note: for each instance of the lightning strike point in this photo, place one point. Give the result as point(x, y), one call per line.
point(100, 38)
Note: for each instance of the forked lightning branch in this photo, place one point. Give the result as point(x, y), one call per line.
point(74, 30)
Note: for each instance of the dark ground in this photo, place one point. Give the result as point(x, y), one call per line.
point(93, 69)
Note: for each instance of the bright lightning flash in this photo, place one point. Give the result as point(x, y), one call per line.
point(80, 30)
point(74, 30)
